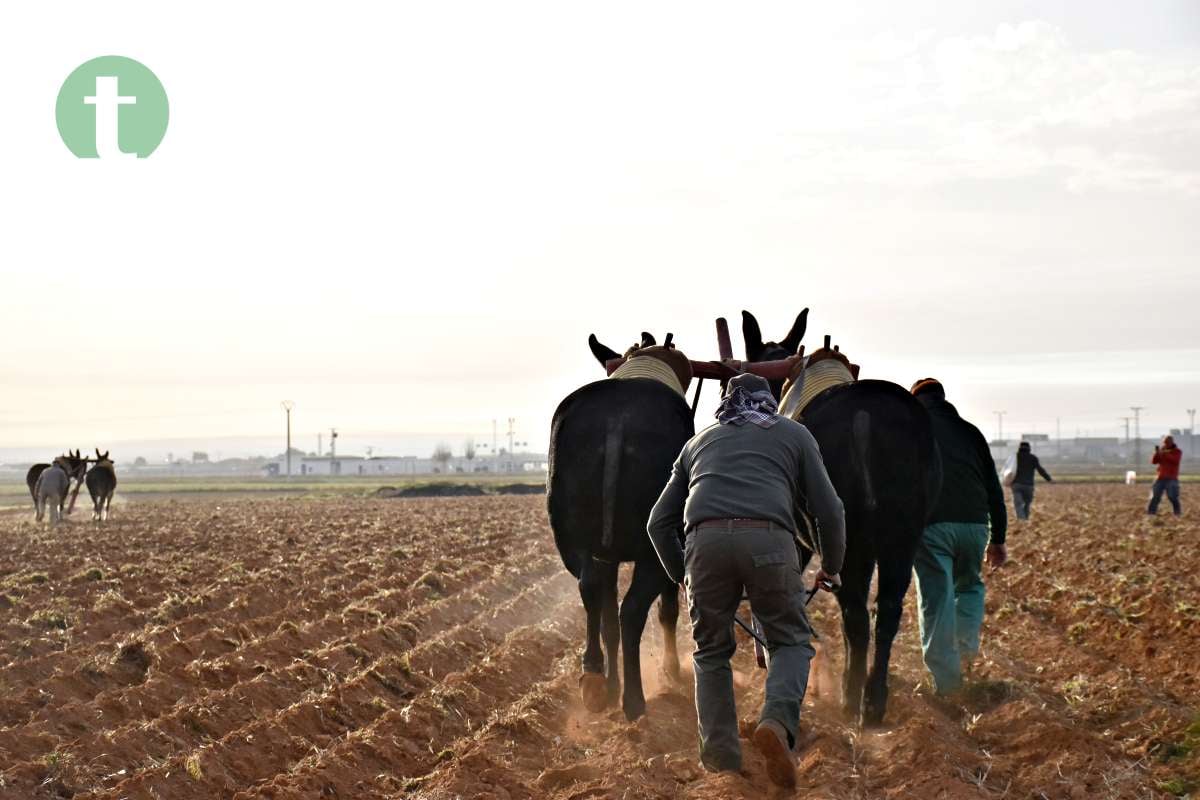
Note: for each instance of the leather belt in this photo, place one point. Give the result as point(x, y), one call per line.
point(735, 522)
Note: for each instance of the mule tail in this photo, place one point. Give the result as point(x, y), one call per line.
point(861, 430)
point(608, 494)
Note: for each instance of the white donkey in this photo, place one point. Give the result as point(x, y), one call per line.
point(51, 490)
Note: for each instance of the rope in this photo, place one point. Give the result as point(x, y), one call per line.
point(813, 380)
point(648, 367)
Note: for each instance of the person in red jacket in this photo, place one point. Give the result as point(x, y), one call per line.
point(1167, 457)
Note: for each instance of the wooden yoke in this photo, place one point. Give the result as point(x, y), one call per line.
point(728, 366)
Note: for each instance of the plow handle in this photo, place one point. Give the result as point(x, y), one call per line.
point(724, 345)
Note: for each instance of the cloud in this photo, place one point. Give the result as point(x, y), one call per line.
point(1021, 103)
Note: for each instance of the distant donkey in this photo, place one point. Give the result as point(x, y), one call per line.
point(74, 464)
point(612, 444)
point(101, 483)
point(51, 490)
point(877, 444)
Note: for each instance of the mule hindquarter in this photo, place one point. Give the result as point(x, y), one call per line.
point(612, 446)
point(102, 483)
point(878, 448)
point(31, 479)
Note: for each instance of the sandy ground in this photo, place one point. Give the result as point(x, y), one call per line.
point(304, 648)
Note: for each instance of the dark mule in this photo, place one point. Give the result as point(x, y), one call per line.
point(31, 479)
point(878, 447)
point(101, 483)
point(612, 444)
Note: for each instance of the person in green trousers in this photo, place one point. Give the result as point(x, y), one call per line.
point(967, 526)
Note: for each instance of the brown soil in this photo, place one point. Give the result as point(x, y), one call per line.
point(296, 648)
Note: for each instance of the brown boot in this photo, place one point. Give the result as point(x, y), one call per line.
point(771, 739)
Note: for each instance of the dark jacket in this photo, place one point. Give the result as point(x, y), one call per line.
point(970, 487)
point(1027, 462)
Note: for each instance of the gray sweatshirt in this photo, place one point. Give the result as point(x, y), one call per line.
point(751, 472)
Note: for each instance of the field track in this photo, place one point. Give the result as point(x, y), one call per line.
point(355, 648)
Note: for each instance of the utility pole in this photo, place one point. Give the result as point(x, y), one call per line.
point(332, 443)
point(1126, 421)
point(1058, 437)
point(320, 446)
point(1137, 433)
point(511, 422)
point(1191, 432)
point(288, 405)
point(1000, 425)
point(495, 449)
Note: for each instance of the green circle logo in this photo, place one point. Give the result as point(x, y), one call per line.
point(111, 107)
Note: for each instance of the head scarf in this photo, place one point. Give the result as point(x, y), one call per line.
point(748, 399)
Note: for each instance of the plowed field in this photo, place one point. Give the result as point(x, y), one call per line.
point(364, 648)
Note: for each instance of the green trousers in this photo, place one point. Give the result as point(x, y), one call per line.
point(950, 592)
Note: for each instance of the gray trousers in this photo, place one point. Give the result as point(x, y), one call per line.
point(722, 563)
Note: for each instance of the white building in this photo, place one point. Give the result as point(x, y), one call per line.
point(380, 466)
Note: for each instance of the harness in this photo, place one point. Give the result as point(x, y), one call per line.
point(813, 378)
point(648, 366)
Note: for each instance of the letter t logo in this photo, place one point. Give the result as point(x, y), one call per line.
point(107, 99)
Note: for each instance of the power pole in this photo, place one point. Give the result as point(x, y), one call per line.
point(1191, 432)
point(495, 449)
point(511, 422)
point(332, 443)
point(320, 450)
point(1058, 437)
point(1137, 433)
point(288, 405)
point(1126, 421)
point(1000, 425)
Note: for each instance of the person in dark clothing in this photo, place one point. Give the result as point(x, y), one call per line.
point(1167, 457)
point(734, 490)
point(1022, 485)
point(950, 589)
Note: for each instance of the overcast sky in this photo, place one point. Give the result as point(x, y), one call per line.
point(408, 217)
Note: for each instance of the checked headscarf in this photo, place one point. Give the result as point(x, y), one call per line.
point(748, 399)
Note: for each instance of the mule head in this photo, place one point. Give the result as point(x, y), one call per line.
point(604, 354)
point(102, 458)
point(76, 464)
point(758, 350)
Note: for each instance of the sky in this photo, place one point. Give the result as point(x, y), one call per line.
point(407, 217)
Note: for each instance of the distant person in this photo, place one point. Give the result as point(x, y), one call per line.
point(1022, 485)
point(1167, 457)
point(950, 556)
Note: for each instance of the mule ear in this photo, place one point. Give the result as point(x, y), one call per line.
point(603, 354)
point(98, 453)
point(648, 339)
point(752, 336)
point(792, 340)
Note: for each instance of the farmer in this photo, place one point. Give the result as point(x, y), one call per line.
point(1022, 485)
point(949, 557)
point(733, 490)
point(1167, 457)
